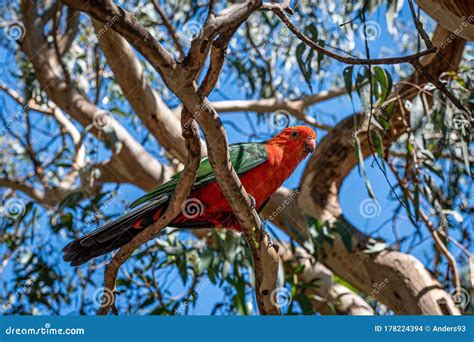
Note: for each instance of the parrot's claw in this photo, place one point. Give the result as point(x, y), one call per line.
point(270, 242)
point(253, 202)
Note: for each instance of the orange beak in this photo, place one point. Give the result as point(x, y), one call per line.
point(309, 145)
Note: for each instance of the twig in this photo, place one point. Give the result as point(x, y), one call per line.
point(57, 49)
point(419, 26)
point(440, 86)
point(169, 28)
point(348, 60)
point(434, 233)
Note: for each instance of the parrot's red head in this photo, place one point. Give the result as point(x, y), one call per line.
point(297, 141)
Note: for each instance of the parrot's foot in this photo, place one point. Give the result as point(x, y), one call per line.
point(253, 202)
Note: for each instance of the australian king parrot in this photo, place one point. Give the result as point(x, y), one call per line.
point(262, 168)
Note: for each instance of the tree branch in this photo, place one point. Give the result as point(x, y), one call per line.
point(327, 297)
point(180, 80)
point(147, 104)
point(145, 170)
point(348, 60)
point(295, 107)
point(169, 28)
point(183, 188)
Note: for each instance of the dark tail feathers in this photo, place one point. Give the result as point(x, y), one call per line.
point(112, 235)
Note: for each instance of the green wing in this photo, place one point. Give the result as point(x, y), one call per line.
point(244, 157)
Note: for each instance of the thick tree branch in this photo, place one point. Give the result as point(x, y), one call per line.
point(332, 161)
point(180, 80)
point(145, 170)
point(147, 104)
point(327, 296)
point(295, 107)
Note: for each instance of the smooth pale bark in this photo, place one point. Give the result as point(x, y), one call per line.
point(412, 289)
point(327, 296)
point(156, 116)
point(135, 162)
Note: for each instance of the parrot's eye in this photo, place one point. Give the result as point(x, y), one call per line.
point(294, 134)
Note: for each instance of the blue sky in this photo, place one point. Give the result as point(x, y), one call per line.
point(353, 190)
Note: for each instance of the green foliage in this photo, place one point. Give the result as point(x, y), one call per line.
point(168, 276)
